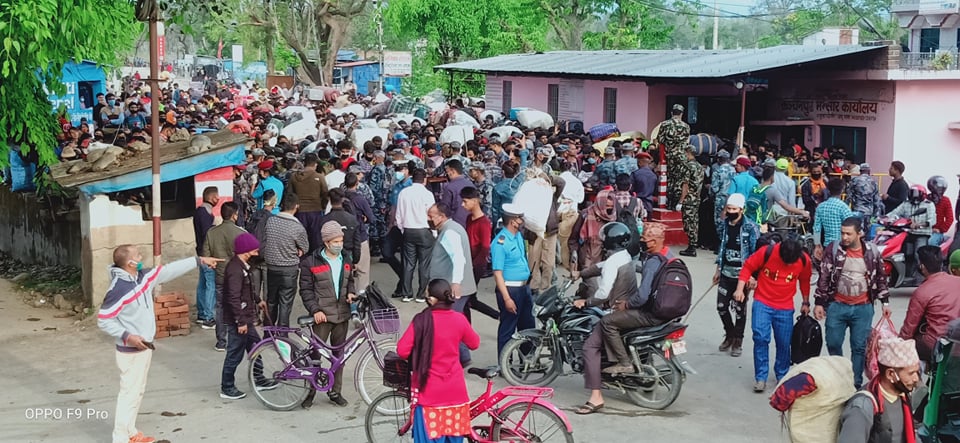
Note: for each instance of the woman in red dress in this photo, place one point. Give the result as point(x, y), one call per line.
point(439, 390)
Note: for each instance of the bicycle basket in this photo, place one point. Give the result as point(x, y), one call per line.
point(385, 321)
point(396, 372)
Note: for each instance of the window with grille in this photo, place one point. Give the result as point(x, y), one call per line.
point(609, 105)
point(553, 100)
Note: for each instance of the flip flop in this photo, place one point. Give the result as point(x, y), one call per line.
point(589, 408)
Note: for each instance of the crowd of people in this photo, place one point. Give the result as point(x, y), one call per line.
point(308, 216)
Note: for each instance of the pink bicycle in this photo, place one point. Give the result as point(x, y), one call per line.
point(524, 416)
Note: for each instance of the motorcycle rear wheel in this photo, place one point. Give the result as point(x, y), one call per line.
point(531, 361)
point(661, 380)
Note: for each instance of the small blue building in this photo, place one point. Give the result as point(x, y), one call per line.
point(365, 74)
point(83, 82)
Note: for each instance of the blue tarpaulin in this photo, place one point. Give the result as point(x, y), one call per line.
point(175, 170)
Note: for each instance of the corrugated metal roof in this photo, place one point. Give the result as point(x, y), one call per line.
point(356, 63)
point(656, 64)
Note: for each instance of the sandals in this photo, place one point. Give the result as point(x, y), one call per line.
point(589, 408)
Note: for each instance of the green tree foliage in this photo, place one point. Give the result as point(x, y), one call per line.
point(630, 25)
point(444, 31)
point(38, 37)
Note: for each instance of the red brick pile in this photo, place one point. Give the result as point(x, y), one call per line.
point(173, 314)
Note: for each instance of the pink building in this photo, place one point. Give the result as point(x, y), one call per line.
point(869, 99)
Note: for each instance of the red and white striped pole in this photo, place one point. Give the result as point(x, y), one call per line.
point(662, 189)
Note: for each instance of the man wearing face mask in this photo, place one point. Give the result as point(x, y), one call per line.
point(327, 289)
point(813, 190)
point(345, 147)
point(508, 257)
point(127, 315)
point(881, 413)
point(738, 240)
point(220, 244)
point(203, 220)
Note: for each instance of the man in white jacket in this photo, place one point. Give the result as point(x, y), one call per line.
point(127, 314)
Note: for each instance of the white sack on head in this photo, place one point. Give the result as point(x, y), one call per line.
point(355, 109)
point(536, 198)
point(464, 119)
point(535, 119)
point(299, 130)
point(456, 134)
point(361, 136)
point(504, 132)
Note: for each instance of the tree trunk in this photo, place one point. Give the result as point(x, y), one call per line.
point(271, 57)
point(337, 34)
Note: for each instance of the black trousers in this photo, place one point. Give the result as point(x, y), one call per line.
point(732, 313)
point(417, 245)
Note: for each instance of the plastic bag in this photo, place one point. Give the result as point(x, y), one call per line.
point(361, 136)
point(535, 119)
point(456, 134)
point(883, 329)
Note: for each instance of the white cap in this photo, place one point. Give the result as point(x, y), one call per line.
point(512, 210)
point(736, 200)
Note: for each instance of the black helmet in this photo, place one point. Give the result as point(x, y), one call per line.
point(937, 185)
point(615, 236)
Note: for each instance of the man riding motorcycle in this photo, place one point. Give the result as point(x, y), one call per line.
point(923, 216)
point(618, 290)
point(937, 185)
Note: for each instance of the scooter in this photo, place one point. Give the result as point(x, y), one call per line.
point(890, 240)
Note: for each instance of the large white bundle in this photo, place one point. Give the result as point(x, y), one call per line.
point(464, 119)
point(573, 188)
point(300, 129)
point(456, 134)
point(504, 132)
point(361, 136)
point(535, 119)
point(336, 135)
point(380, 98)
point(367, 123)
point(535, 197)
point(304, 112)
point(355, 109)
point(437, 107)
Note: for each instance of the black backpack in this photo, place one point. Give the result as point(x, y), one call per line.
point(375, 298)
point(628, 217)
point(807, 339)
point(672, 289)
point(770, 239)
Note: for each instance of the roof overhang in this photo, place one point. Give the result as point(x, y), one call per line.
point(675, 65)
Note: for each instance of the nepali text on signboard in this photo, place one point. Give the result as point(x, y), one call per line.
point(397, 64)
point(829, 110)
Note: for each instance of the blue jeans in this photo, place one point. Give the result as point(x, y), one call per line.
point(509, 322)
point(858, 318)
point(238, 345)
point(780, 321)
point(206, 295)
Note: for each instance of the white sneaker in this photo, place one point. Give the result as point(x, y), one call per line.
point(408, 299)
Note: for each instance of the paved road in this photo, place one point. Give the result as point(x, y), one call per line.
point(49, 363)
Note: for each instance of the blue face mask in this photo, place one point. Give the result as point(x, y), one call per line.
point(112, 102)
point(592, 161)
point(399, 175)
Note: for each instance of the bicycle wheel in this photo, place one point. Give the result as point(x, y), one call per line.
point(368, 376)
point(531, 361)
point(266, 382)
point(530, 422)
point(659, 381)
point(385, 427)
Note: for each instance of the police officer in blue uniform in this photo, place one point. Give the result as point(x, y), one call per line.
point(508, 255)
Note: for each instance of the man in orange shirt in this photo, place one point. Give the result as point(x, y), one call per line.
point(778, 268)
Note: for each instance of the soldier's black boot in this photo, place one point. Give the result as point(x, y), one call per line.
point(691, 251)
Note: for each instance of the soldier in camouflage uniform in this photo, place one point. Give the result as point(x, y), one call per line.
point(606, 172)
point(492, 170)
point(478, 174)
point(863, 194)
point(674, 135)
point(691, 177)
point(627, 163)
point(720, 180)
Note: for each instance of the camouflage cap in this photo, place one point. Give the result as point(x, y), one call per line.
point(678, 107)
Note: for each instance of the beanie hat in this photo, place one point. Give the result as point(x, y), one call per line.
point(736, 200)
point(245, 243)
point(331, 230)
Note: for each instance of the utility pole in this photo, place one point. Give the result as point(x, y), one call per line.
point(716, 26)
point(149, 12)
point(379, 17)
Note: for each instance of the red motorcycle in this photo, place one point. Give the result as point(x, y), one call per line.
point(889, 241)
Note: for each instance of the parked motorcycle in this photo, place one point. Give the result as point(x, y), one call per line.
point(536, 357)
point(889, 241)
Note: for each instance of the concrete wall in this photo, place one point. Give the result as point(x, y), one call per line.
point(921, 139)
point(29, 232)
point(105, 225)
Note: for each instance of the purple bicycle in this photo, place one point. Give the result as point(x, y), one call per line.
point(289, 361)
